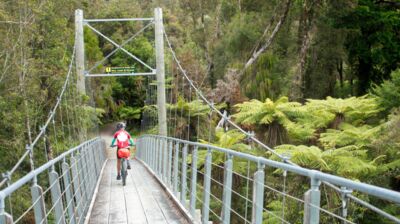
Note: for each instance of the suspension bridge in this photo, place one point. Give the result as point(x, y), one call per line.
point(174, 177)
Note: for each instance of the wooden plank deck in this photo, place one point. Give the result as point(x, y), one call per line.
point(142, 200)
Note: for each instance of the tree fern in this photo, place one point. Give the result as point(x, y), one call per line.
point(344, 162)
point(268, 117)
point(351, 164)
point(231, 139)
point(196, 110)
point(349, 135)
point(352, 109)
point(306, 156)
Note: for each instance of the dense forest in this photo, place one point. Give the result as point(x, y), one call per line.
point(316, 80)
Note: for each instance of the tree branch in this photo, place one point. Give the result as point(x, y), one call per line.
point(264, 47)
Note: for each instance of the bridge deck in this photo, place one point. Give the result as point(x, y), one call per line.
point(142, 200)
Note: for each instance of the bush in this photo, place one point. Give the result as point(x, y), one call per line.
point(388, 92)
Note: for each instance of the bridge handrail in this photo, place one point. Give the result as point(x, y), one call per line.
point(73, 176)
point(379, 192)
point(28, 177)
point(168, 157)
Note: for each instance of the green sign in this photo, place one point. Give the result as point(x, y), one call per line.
point(120, 69)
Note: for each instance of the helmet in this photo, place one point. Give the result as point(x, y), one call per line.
point(120, 125)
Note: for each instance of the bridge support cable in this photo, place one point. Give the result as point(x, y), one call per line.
point(70, 188)
point(346, 194)
point(43, 128)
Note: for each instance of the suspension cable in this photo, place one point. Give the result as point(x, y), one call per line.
point(44, 127)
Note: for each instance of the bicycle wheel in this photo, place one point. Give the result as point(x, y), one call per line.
point(124, 171)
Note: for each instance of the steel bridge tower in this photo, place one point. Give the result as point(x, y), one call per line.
point(159, 71)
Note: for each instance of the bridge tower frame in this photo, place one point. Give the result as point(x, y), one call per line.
point(159, 71)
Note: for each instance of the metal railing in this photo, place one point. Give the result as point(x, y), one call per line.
point(61, 190)
point(206, 177)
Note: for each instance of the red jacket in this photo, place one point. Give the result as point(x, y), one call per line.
point(122, 138)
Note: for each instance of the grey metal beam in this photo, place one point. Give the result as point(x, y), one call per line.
point(121, 74)
point(165, 160)
point(169, 166)
point(68, 192)
point(117, 20)
point(227, 193)
point(5, 218)
point(76, 189)
point(205, 214)
point(39, 209)
point(258, 196)
point(56, 197)
point(312, 200)
point(183, 175)
point(193, 185)
point(176, 167)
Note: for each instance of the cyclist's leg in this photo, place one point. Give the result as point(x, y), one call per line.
point(118, 165)
point(128, 163)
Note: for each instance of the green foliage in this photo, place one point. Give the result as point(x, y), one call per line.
point(349, 163)
point(130, 113)
point(257, 112)
point(198, 112)
point(348, 134)
point(274, 213)
point(353, 109)
point(346, 161)
point(269, 115)
point(306, 156)
point(388, 93)
point(92, 49)
point(231, 139)
point(372, 44)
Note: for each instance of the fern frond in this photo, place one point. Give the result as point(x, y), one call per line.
point(307, 156)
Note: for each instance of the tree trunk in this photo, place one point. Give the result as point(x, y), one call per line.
point(306, 30)
point(340, 71)
point(269, 41)
point(364, 75)
point(49, 148)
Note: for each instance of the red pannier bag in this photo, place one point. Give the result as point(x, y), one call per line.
point(124, 153)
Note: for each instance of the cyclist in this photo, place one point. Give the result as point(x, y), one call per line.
point(124, 140)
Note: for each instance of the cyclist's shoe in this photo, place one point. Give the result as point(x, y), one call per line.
point(118, 177)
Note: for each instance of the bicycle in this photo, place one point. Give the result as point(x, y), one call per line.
point(124, 155)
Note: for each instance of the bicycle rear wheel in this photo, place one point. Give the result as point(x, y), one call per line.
point(124, 171)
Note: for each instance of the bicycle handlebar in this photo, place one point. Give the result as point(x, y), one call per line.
point(112, 146)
